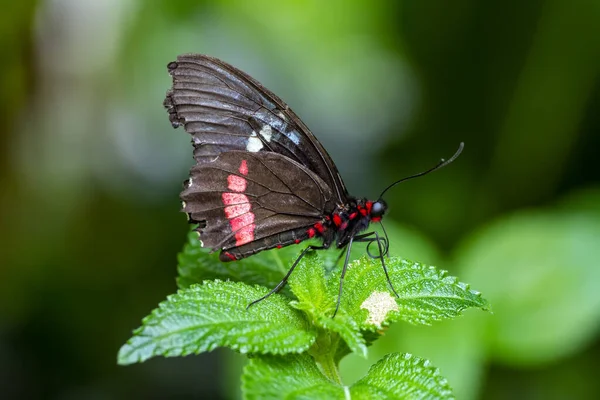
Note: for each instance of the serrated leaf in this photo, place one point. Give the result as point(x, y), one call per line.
point(195, 264)
point(309, 285)
point(426, 294)
point(294, 376)
point(402, 376)
point(204, 317)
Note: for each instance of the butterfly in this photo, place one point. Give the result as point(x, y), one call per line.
point(261, 179)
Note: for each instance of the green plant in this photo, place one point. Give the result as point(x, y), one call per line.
point(293, 344)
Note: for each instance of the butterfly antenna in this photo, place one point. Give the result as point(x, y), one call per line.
point(439, 165)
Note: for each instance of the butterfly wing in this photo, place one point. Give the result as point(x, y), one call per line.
point(225, 109)
point(248, 202)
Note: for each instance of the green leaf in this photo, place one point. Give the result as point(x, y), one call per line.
point(214, 314)
point(196, 264)
point(294, 376)
point(402, 376)
point(309, 285)
point(457, 347)
point(541, 270)
point(425, 294)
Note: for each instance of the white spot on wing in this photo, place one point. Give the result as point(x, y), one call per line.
point(266, 132)
point(254, 143)
point(190, 182)
point(293, 137)
point(378, 304)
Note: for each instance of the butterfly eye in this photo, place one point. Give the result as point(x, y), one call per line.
point(378, 209)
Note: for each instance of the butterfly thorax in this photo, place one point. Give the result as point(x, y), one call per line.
point(348, 220)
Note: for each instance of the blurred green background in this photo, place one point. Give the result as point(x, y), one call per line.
point(91, 169)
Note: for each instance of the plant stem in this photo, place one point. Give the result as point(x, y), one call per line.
point(329, 367)
point(323, 351)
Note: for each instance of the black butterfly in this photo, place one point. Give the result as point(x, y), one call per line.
point(262, 179)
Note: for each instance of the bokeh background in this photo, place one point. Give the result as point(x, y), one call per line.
point(90, 172)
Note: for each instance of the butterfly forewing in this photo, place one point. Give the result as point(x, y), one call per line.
point(224, 109)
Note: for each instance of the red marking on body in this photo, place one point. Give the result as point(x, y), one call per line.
point(311, 232)
point(279, 246)
point(327, 218)
point(297, 241)
point(344, 226)
point(231, 256)
point(375, 219)
point(236, 183)
point(337, 220)
point(237, 210)
point(243, 168)
point(353, 215)
point(362, 211)
point(319, 227)
point(234, 198)
point(369, 206)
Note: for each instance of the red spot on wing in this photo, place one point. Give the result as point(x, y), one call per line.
point(236, 183)
point(243, 168)
point(297, 241)
point(245, 235)
point(337, 220)
point(311, 232)
point(241, 221)
point(279, 246)
point(231, 256)
point(344, 226)
point(243, 226)
point(236, 210)
point(234, 198)
point(353, 215)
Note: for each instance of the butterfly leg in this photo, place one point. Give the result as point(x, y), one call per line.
point(367, 238)
point(348, 248)
point(283, 282)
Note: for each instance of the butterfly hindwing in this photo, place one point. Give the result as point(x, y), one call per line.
point(224, 110)
point(253, 201)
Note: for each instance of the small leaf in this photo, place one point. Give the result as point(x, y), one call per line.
point(309, 285)
point(204, 317)
point(294, 376)
point(425, 294)
point(402, 376)
point(196, 264)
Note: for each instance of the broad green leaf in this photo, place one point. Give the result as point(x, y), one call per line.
point(457, 347)
point(425, 294)
point(196, 265)
point(402, 376)
point(308, 283)
point(541, 271)
point(294, 376)
point(204, 317)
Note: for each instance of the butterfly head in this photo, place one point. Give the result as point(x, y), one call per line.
point(377, 209)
